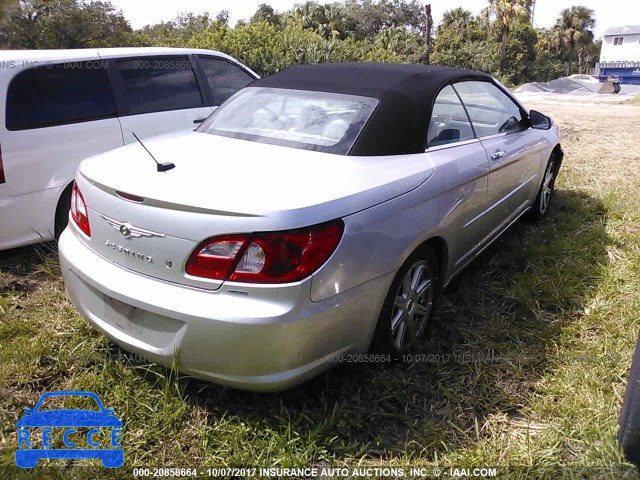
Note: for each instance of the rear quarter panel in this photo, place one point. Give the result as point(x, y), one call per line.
point(378, 240)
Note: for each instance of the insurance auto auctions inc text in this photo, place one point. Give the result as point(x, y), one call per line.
point(346, 472)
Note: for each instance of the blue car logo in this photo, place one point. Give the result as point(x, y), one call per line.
point(69, 420)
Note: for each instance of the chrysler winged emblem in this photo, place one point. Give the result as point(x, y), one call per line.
point(129, 231)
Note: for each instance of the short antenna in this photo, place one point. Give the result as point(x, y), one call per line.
point(162, 167)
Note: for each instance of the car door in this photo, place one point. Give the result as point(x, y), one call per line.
point(515, 151)
point(462, 165)
point(222, 78)
point(57, 114)
point(158, 95)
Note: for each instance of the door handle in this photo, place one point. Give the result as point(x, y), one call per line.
point(200, 120)
point(498, 155)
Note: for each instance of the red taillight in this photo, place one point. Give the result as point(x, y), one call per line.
point(2, 179)
point(278, 257)
point(215, 258)
point(79, 211)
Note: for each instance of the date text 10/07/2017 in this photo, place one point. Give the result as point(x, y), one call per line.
point(314, 472)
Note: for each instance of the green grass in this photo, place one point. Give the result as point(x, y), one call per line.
point(635, 100)
point(529, 354)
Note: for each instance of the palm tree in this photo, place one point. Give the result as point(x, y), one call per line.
point(303, 14)
point(505, 12)
point(550, 40)
point(574, 29)
point(306, 14)
point(457, 18)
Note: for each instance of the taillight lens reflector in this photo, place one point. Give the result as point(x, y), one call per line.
point(278, 257)
point(79, 211)
point(214, 259)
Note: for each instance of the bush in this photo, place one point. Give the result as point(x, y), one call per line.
point(267, 50)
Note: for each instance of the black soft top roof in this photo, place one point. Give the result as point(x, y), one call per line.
point(406, 94)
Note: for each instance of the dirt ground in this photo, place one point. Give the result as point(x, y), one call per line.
point(601, 140)
point(596, 106)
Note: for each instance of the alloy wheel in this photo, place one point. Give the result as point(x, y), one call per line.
point(412, 306)
point(547, 189)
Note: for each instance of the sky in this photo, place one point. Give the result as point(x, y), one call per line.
point(143, 12)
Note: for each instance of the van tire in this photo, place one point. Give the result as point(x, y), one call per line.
point(62, 211)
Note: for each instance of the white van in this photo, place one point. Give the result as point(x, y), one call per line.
point(59, 107)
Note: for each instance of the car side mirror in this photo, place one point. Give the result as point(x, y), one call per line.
point(539, 121)
point(28, 411)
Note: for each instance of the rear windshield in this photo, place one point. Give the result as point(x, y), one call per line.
point(328, 122)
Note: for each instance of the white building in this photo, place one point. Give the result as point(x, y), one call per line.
point(620, 54)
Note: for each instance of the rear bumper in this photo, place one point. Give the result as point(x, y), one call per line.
point(269, 339)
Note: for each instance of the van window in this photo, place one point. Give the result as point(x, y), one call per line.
point(157, 84)
point(223, 78)
point(59, 94)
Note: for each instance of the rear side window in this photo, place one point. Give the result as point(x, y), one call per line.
point(223, 78)
point(449, 122)
point(160, 84)
point(59, 94)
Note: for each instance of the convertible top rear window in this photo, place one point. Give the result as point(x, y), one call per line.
point(311, 120)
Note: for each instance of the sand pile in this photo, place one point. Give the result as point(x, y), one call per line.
point(563, 85)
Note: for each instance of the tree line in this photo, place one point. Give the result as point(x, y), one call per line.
point(501, 40)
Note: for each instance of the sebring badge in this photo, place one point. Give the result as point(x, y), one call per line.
point(129, 231)
point(128, 252)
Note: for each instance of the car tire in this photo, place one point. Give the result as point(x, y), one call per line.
point(541, 205)
point(629, 420)
point(62, 211)
point(409, 305)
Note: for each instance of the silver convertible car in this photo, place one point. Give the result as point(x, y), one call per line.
point(313, 218)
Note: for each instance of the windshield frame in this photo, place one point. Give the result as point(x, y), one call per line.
point(341, 147)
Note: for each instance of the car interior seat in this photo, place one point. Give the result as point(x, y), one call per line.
point(335, 129)
point(448, 135)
